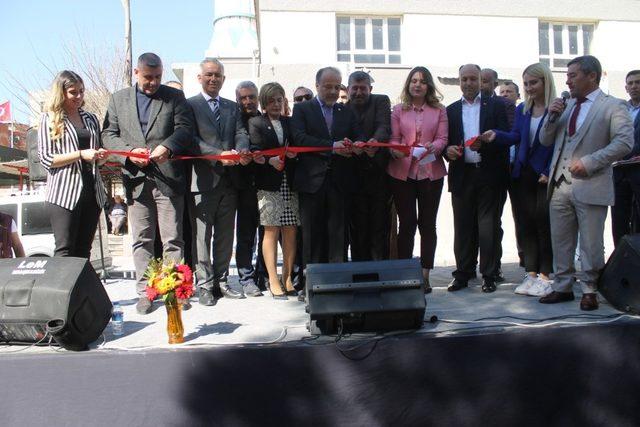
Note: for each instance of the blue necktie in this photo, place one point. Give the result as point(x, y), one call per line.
point(215, 107)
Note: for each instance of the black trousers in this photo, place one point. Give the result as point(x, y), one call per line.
point(369, 225)
point(476, 216)
point(74, 230)
point(323, 220)
point(625, 214)
point(247, 221)
point(530, 197)
point(427, 193)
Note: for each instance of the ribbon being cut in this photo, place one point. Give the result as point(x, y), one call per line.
point(280, 152)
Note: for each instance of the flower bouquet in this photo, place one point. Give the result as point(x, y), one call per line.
point(172, 281)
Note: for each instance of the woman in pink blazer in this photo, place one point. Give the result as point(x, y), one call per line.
point(420, 121)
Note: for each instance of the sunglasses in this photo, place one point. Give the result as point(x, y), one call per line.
point(302, 98)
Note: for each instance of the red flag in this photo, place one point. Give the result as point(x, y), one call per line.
point(5, 112)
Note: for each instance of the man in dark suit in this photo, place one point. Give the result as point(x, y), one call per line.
point(625, 213)
point(370, 211)
point(150, 117)
point(218, 130)
point(489, 83)
point(247, 218)
point(326, 181)
point(477, 175)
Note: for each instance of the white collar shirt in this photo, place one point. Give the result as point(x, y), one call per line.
point(471, 127)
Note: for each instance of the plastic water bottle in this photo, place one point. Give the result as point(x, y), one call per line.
point(117, 319)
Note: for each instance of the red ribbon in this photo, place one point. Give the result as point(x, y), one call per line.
point(469, 142)
point(280, 152)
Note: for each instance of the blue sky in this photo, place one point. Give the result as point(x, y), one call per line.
point(34, 31)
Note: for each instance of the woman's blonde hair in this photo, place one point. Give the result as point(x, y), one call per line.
point(540, 71)
point(63, 81)
point(268, 91)
point(433, 96)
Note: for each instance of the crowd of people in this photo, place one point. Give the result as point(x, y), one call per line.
point(552, 156)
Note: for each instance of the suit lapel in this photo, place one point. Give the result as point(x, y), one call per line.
point(484, 113)
point(133, 111)
point(593, 112)
point(226, 113)
point(457, 109)
point(204, 108)
point(156, 106)
point(315, 107)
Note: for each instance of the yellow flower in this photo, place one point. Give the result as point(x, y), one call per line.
point(165, 285)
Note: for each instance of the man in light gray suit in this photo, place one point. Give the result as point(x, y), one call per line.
point(151, 118)
point(592, 132)
point(218, 130)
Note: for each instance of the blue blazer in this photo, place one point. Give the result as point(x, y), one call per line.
point(536, 154)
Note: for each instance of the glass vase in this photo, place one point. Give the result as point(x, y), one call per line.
point(175, 330)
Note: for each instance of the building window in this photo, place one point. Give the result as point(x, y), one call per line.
point(365, 40)
point(561, 42)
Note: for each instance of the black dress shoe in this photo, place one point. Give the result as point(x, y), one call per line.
point(205, 297)
point(427, 288)
point(556, 297)
point(456, 285)
point(488, 286)
point(227, 292)
point(589, 302)
point(499, 277)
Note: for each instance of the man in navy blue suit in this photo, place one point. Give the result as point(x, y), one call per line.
point(326, 180)
point(625, 214)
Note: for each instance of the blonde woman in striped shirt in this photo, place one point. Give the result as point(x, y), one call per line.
point(69, 146)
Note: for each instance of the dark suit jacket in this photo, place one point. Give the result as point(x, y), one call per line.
point(309, 129)
point(631, 172)
point(263, 137)
point(170, 125)
point(495, 158)
point(375, 122)
point(536, 155)
point(209, 139)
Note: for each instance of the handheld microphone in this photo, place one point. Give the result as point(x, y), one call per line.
point(554, 116)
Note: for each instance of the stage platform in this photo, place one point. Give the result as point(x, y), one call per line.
point(488, 359)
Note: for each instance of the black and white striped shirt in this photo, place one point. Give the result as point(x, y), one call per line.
point(64, 184)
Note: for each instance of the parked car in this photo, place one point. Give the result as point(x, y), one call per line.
point(29, 211)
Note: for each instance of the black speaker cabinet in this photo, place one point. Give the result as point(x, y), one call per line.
point(373, 296)
point(58, 296)
point(620, 281)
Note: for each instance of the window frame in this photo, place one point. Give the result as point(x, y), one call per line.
point(551, 57)
point(368, 33)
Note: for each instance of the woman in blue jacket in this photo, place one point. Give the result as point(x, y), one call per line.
point(530, 174)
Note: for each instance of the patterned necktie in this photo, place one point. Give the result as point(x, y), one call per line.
point(215, 107)
point(574, 116)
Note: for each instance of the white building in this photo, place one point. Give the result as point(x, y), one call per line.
point(288, 40)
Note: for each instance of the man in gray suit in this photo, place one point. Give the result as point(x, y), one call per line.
point(218, 130)
point(592, 132)
point(151, 118)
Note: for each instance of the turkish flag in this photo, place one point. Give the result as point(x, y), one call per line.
point(5, 112)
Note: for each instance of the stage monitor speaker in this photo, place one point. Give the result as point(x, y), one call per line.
point(60, 297)
point(372, 296)
point(36, 171)
point(619, 283)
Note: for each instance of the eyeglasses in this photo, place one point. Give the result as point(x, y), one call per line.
point(302, 97)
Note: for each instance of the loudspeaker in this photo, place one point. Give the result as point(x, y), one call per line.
point(36, 171)
point(619, 283)
point(371, 296)
point(62, 297)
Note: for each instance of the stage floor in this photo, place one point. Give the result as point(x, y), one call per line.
point(263, 320)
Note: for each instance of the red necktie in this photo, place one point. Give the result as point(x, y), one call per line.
point(574, 116)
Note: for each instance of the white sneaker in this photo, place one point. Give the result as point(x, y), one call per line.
point(527, 283)
point(541, 288)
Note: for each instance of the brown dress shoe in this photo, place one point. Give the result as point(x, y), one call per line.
point(556, 297)
point(589, 302)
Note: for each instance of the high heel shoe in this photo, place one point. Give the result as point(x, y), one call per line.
point(282, 296)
